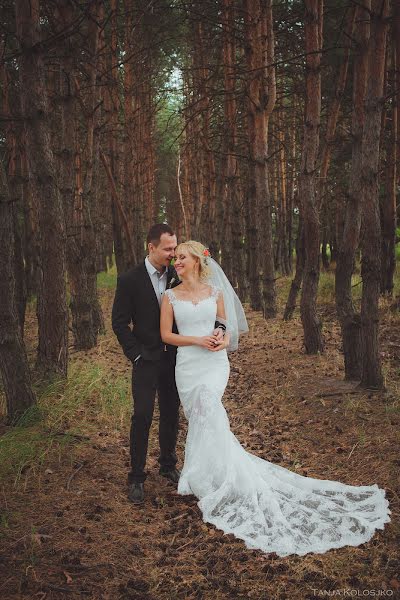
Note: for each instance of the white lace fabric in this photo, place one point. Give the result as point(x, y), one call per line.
point(212, 292)
point(267, 506)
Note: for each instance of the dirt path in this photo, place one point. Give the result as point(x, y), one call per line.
point(70, 532)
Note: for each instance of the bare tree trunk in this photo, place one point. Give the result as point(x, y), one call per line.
point(230, 171)
point(119, 209)
point(14, 153)
point(350, 320)
point(261, 94)
point(284, 195)
point(312, 327)
point(178, 179)
point(132, 132)
point(396, 36)
point(31, 226)
point(291, 175)
point(52, 307)
point(13, 360)
point(298, 276)
point(371, 229)
point(333, 113)
point(388, 199)
point(82, 273)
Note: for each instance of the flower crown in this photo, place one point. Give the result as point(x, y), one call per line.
point(207, 255)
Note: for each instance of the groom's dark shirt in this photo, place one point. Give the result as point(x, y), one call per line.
point(136, 303)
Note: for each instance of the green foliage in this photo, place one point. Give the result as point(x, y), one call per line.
point(65, 411)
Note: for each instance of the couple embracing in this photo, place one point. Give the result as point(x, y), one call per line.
point(184, 320)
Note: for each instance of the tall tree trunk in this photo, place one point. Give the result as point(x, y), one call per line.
point(31, 226)
point(132, 132)
point(312, 327)
point(14, 152)
point(261, 94)
point(388, 199)
point(283, 194)
point(396, 37)
point(78, 196)
point(291, 176)
point(350, 320)
point(13, 360)
point(230, 171)
point(52, 306)
point(112, 106)
point(298, 276)
point(333, 112)
point(371, 229)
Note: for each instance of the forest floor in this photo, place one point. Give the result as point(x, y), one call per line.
point(68, 531)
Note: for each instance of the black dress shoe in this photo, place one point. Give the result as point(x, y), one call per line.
point(172, 476)
point(136, 493)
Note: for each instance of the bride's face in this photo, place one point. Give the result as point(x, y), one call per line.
point(185, 264)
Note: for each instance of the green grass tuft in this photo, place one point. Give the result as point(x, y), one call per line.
point(65, 410)
point(107, 279)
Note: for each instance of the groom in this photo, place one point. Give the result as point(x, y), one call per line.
point(137, 300)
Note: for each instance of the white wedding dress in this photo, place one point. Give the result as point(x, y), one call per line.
point(267, 506)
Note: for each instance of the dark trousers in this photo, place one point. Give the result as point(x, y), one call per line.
point(149, 377)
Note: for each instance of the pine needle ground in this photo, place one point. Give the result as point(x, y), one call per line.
point(68, 531)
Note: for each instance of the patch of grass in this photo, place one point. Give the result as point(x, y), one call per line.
point(65, 410)
point(326, 288)
point(282, 289)
point(107, 279)
point(392, 406)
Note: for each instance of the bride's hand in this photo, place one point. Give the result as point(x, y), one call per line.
point(207, 341)
point(220, 345)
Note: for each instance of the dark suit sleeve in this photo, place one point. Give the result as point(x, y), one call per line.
point(122, 318)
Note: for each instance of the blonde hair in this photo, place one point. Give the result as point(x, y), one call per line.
point(196, 249)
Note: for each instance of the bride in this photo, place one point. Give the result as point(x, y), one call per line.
point(267, 506)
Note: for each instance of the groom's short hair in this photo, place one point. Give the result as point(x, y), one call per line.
point(156, 231)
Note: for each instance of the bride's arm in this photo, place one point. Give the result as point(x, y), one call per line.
point(221, 317)
point(175, 339)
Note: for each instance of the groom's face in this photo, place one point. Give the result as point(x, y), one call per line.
point(162, 254)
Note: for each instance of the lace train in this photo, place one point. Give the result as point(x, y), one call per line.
point(267, 506)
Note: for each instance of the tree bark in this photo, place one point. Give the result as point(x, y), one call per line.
point(371, 229)
point(86, 313)
point(13, 360)
point(312, 327)
point(261, 97)
point(230, 170)
point(350, 320)
point(298, 276)
point(52, 306)
point(333, 113)
point(388, 199)
point(14, 153)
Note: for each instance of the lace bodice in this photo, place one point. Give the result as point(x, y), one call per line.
point(195, 318)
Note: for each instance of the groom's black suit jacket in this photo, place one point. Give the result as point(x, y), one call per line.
point(136, 302)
